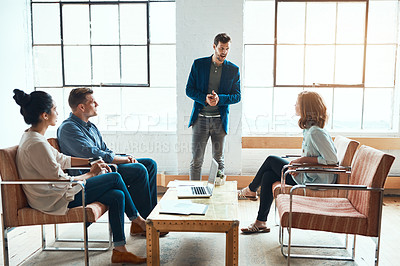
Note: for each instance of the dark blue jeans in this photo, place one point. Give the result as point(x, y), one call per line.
point(269, 173)
point(203, 129)
point(141, 181)
point(110, 190)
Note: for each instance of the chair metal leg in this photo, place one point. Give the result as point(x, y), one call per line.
point(42, 230)
point(5, 247)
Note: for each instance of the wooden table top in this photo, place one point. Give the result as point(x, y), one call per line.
point(222, 206)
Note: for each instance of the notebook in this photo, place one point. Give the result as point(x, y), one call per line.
point(182, 207)
point(200, 191)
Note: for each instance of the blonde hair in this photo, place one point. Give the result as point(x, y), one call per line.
point(312, 110)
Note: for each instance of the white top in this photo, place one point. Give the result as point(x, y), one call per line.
point(37, 159)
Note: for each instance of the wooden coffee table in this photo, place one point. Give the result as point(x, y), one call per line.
point(221, 217)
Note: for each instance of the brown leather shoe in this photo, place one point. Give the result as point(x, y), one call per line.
point(126, 257)
point(137, 230)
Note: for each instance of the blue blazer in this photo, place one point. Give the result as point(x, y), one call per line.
point(228, 91)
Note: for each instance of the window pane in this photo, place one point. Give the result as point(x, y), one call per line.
point(347, 109)
point(133, 22)
point(349, 64)
point(105, 65)
point(47, 60)
point(104, 24)
point(163, 65)
point(162, 23)
point(321, 23)
point(327, 96)
point(350, 23)
point(378, 107)
point(46, 24)
point(259, 20)
point(109, 117)
point(76, 24)
point(284, 118)
point(77, 65)
point(134, 64)
point(257, 110)
point(289, 64)
point(380, 66)
point(137, 116)
point(259, 61)
point(382, 21)
point(291, 19)
point(319, 64)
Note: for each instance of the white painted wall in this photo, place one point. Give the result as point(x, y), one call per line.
point(15, 67)
point(197, 23)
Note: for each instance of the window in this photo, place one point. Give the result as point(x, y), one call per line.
point(323, 46)
point(124, 50)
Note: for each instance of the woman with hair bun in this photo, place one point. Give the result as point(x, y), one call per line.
point(37, 159)
point(317, 148)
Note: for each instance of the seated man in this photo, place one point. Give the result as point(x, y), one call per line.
point(78, 137)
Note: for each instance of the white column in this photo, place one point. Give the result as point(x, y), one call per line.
point(197, 23)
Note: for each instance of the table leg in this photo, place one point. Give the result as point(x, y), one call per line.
point(153, 245)
point(232, 245)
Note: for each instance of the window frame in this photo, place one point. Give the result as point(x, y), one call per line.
point(363, 126)
point(319, 85)
point(119, 45)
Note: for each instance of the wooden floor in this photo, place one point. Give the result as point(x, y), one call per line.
point(26, 240)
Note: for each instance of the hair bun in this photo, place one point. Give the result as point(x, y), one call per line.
point(21, 98)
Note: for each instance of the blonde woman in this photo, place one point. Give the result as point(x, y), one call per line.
point(317, 148)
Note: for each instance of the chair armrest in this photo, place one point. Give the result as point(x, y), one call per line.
point(291, 156)
point(316, 186)
point(111, 165)
point(309, 168)
point(43, 182)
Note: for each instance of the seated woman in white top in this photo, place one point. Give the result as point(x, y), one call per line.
point(317, 148)
point(37, 159)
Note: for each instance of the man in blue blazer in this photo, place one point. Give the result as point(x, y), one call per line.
point(213, 84)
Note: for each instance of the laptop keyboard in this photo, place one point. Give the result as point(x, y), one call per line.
point(199, 191)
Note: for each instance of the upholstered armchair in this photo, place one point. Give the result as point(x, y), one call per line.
point(358, 213)
point(17, 212)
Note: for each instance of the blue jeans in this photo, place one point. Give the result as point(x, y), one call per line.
point(268, 174)
point(202, 129)
point(110, 190)
point(141, 181)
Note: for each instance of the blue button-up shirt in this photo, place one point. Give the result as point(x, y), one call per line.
point(80, 139)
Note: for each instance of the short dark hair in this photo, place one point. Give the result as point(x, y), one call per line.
point(221, 38)
point(78, 96)
point(33, 105)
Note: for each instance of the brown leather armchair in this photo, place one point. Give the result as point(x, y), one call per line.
point(17, 212)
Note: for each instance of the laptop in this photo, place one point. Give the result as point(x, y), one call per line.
point(184, 192)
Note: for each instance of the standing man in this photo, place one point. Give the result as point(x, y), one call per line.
point(78, 137)
point(213, 84)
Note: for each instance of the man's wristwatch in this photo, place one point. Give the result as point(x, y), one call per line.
point(94, 160)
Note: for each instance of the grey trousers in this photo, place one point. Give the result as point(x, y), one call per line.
point(202, 129)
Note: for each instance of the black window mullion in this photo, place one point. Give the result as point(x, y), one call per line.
point(90, 44)
point(62, 44)
point(148, 42)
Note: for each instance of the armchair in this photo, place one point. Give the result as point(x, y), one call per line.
point(17, 212)
point(359, 213)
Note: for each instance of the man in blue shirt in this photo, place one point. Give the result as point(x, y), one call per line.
point(213, 84)
point(78, 137)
